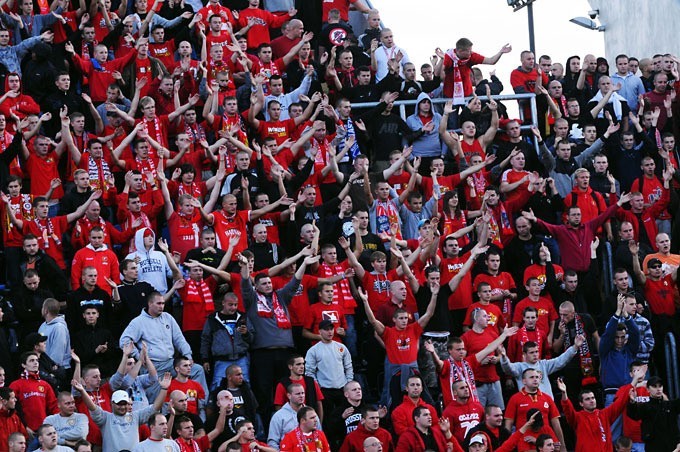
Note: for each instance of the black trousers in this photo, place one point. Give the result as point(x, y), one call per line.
point(267, 367)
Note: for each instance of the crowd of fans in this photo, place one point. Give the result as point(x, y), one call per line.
point(207, 247)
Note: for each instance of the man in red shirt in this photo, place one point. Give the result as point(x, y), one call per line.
point(50, 231)
point(591, 425)
point(525, 78)
point(401, 416)
point(503, 290)
point(531, 397)
point(34, 395)
point(306, 436)
point(401, 341)
point(475, 340)
point(547, 315)
point(458, 64)
point(256, 22)
point(458, 367)
point(528, 333)
point(196, 395)
point(326, 309)
point(484, 293)
point(464, 412)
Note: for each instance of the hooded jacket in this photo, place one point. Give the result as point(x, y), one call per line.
point(427, 144)
point(219, 344)
point(103, 259)
point(58, 340)
point(36, 397)
point(10, 423)
point(153, 265)
point(41, 71)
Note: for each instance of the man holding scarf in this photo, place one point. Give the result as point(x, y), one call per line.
point(267, 312)
point(458, 64)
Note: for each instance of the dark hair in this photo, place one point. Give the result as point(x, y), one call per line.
point(542, 439)
point(417, 411)
point(527, 346)
point(302, 413)
point(292, 359)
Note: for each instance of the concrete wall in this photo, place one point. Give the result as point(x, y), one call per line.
point(639, 28)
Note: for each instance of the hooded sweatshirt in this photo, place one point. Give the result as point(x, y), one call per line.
point(153, 265)
point(428, 144)
point(58, 341)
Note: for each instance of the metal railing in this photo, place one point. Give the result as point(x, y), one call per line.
point(672, 375)
point(529, 96)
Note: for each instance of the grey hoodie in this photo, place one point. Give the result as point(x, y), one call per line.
point(428, 144)
point(58, 341)
point(153, 265)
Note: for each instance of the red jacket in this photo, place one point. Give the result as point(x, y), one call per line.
point(10, 423)
point(587, 426)
point(264, 20)
point(103, 259)
point(402, 416)
point(100, 79)
point(590, 202)
point(648, 217)
point(36, 398)
point(410, 441)
point(354, 442)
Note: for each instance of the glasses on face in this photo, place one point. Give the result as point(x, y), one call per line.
point(655, 267)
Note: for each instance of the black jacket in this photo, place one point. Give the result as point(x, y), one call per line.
point(50, 274)
point(659, 423)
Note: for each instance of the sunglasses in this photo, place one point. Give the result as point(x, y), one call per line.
point(655, 267)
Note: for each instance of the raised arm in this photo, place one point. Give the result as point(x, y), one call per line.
point(377, 324)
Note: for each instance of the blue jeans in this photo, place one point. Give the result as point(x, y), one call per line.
point(491, 394)
point(220, 369)
point(617, 425)
point(390, 371)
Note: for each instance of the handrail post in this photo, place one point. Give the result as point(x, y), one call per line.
point(672, 366)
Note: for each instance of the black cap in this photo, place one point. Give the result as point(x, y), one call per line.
point(654, 381)
point(33, 339)
point(654, 261)
point(326, 325)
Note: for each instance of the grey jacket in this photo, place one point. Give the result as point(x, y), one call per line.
point(268, 333)
point(564, 182)
point(544, 366)
point(120, 432)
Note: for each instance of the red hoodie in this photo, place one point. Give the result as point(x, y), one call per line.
point(9, 423)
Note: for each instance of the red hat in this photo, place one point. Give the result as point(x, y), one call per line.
point(148, 233)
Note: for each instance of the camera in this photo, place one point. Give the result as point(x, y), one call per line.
point(593, 13)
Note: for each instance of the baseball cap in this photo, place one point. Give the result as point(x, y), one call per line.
point(326, 325)
point(120, 396)
point(422, 223)
point(654, 381)
point(654, 261)
point(477, 439)
point(34, 338)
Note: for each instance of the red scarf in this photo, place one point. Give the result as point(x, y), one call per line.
point(466, 374)
point(458, 89)
point(524, 338)
point(498, 231)
point(48, 232)
point(86, 225)
point(194, 295)
point(191, 446)
point(146, 166)
point(585, 360)
point(263, 310)
point(98, 171)
point(157, 132)
point(22, 206)
point(315, 445)
point(191, 189)
point(195, 131)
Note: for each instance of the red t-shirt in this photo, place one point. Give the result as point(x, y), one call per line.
point(340, 5)
point(494, 312)
point(42, 171)
point(465, 67)
point(546, 313)
point(226, 227)
point(521, 402)
point(402, 346)
point(22, 206)
point(192, 389)
point(319, 311)
point(502, 281)
point(299, 304)
point(446, 183)
point(280, 393)
point(377, 287)
point(450, 267)
point(280, 130)
point(538, 271)
point(184, 232)
point(476, 342)
point(659, 295)
point(271, 221)
point(196, 307)
point(445, 378)
point(463, 417)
